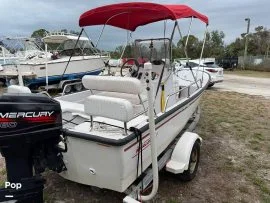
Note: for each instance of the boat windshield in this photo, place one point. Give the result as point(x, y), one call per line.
point(83, 47)
point(4, 51)
point(152, 49)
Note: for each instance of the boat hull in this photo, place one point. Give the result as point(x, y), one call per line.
point(115, 167)
point(34, 74)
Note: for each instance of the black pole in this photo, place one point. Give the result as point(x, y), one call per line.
point(72, 54)
point(162, 71)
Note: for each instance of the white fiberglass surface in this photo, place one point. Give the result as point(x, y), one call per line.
point(183, 84)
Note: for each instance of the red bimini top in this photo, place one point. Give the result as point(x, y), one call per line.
point(131, 15)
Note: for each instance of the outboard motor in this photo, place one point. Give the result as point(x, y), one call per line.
point(30, 132)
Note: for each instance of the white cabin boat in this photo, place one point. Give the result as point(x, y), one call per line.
point(6, 56)
point(82, 60)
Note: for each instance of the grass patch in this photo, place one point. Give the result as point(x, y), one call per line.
point(172, 201)
point(243, 189)
point(2, 183)
point(249, 73)
point(2, 177)
point(266, 199)
point(261, 184)
point(264, 189)
point(240, 118)
point(259, 137)
point(3, 171)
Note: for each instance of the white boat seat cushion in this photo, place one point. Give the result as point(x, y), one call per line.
point(71, 107)
point(109, 107)
point(134, 99)
point(112, 84)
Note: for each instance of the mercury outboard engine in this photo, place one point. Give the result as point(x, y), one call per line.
point(30, 132)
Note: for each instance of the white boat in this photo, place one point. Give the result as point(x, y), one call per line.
point(24, 48)
point(120, 131)
point(83, 59)
point(6, 56)
point(107, 127)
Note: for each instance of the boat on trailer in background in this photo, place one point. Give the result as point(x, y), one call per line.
point(76, 56)
point(6, 56)
point(122, 130)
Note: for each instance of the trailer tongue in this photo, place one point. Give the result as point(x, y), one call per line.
point(30, 129)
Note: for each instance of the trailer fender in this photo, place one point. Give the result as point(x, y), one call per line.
point(179, 160)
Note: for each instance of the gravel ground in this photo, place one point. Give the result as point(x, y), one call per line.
point(246, 85)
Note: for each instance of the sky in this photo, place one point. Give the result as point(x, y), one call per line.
point(21, 18)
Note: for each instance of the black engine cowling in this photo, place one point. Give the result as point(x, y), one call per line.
point(30, 131)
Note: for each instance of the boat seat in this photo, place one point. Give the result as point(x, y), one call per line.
point(113, 84)
point(109, 107)
point(71, 107)
point(134, 99)
point(123, 88)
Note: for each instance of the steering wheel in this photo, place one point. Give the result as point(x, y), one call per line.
point(133, 70)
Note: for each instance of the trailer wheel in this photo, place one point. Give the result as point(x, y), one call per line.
point(67, 88)
point(193, 163)
point(78, 87)
point(2, 82)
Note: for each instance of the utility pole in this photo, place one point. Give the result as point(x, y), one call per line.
point(267, 50)
point(246, 43)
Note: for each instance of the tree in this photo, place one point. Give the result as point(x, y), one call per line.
point(236, 48)
point(64, 30)
point(214, 45)
point(258, 43)
point(193, 47)
point(116, 54)
point(39, 33)
point(74, 32)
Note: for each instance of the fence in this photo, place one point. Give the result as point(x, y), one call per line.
point(260, 63)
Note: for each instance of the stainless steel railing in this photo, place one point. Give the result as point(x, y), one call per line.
point(180, 90)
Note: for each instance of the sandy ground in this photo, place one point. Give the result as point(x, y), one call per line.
point(246, 85)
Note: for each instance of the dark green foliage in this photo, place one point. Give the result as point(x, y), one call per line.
point(258, 43)
point(39, 33)
point(214, 46)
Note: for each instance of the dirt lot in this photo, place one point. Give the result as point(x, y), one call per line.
point(249, 73)
point(245, 84)
point(235, 157)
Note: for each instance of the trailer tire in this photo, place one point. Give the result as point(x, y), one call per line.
point(194, 159)
point(3, 82)
point(78, 87)
point(67, 89)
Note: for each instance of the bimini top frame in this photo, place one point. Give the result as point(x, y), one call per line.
point(131, 15)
